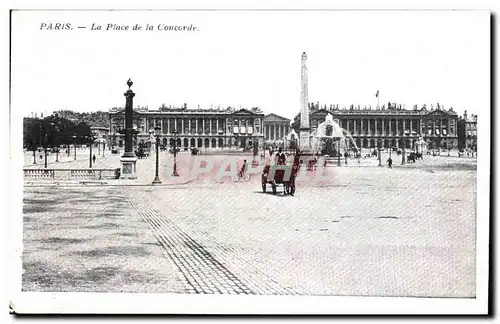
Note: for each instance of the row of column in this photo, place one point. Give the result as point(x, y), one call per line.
point(382, 127)
point(196, 126)
point(397, 127)
point(275, 131)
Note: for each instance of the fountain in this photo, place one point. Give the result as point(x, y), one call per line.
point(420, 146)
point(329, 138)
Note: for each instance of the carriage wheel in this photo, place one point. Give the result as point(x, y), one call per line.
point(274, 187)
point(246, 177)
point(263, 186)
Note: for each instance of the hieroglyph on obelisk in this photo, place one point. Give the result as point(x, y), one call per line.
point(305, 129)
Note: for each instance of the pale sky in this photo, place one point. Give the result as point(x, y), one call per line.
point(252, 59)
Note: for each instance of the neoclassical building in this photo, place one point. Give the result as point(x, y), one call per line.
point(467, 132)
point(394, 127)
point(275, 128)
point(200, 128)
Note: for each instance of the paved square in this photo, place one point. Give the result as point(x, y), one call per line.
point(409, 231)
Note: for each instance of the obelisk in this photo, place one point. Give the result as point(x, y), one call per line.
point(305, 129)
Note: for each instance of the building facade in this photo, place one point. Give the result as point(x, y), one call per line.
point(100, 131)
point(394, 127)
point(275, 128)
point(467, 134)
point(192, 128)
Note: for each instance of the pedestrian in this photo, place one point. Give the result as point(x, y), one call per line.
point(93, 158)
point(389, 163)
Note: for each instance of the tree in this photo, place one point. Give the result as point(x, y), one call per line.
point(83, 133)
point(31, 133)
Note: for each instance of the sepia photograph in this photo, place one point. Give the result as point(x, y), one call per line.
point(275, 156)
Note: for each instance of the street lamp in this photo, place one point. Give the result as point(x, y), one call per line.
point(157, 134)
point(56, 134)
point(379, 144)
point(34, 151)
point(403, 153)
point(175, 174)
point(338, 152)
point(91, 138)
point(74, 143)
point(345, 151)
point(45, 145)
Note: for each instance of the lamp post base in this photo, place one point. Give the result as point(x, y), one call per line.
point(128, 169)
point(156, 181)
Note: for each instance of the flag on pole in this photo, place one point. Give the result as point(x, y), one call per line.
point(376, 95)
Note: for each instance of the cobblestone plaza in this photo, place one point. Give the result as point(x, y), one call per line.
point(370, 231)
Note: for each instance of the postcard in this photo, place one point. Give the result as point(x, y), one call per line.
point(250, 161)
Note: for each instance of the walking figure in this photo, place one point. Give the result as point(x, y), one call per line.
point(93, 158)
point(389, 163)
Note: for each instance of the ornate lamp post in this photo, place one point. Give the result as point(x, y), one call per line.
point(157, 134)
point(379, 144)
point(74, 143)
point(91, 139)
point(174, 173)
point(56, 133)
point(128, 159)
point(45, 139)
point(338, 153)
point(34, 152)
point(403, 153)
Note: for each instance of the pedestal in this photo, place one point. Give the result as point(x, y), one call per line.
point(128, 170)
point(305, 141)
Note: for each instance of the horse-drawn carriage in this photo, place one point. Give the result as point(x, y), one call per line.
point(281, 174)
point(413, 156)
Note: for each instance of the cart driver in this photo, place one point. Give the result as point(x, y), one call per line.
point(280, 157)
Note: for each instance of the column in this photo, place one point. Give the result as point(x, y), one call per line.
point(411, 127)
point(404, 126)
point(354, 127)
point(433, 127)
point(361, 122)
point(161, 125)
point(397, 127)
point(182, 125)
point(383, 127)
point(217, 125)
point(189, 126)
point(390, 127)
point(210, 126)
point(197, 128)
point(274, 132)
point(203, 127)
